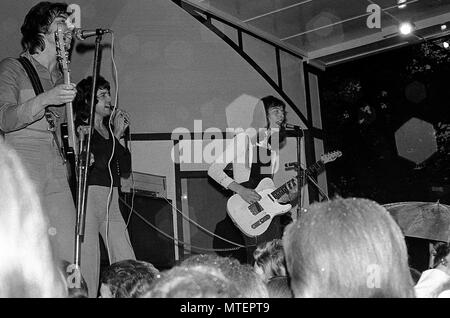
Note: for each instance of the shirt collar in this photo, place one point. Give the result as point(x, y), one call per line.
point(41, 69)
point(265, 141)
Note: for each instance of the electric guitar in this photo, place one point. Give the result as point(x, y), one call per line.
point(69, 139)
point(254, 219)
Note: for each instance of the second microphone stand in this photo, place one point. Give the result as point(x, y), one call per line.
point(300, 180)
point(85, 158)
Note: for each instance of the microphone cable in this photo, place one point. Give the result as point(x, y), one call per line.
point(116, 102)
point(108, 201)
point(111, 187)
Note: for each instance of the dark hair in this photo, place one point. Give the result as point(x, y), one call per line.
point(278, 287)
point(82, 102)
point(271, 102)
point(38, 20)
point(269, 256)
point(243, 276)
point(128, 278)
point(442, 250)
point(194, 281)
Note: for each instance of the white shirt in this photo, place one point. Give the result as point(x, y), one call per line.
point(432, 284)
point(239, 151)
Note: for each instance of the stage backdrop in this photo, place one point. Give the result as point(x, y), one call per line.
point(171, 69)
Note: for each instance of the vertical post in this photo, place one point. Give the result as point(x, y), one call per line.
point(299, 169)
point(82, 192)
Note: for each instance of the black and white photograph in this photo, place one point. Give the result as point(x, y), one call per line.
point(225, 154)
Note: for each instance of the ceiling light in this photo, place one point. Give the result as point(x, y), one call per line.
point(406, 28)
point(401, 6)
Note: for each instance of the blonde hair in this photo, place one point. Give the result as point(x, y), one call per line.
point(347, 248)
point(27, 267)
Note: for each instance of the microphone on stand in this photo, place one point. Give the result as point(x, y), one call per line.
point(290, 126)
point(298, 130)
point(84, 34)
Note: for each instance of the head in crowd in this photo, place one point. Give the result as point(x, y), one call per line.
point(441, 257)
point(347, 248)
point(82, 102)
point(278, 287)
point(127, 279)
point(269, 260)
point(196, 281)
point(435, 282)
point(27, 266)
point(37, 24)
point(76, 285)
point(248, 282)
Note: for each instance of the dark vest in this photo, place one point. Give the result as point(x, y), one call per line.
point(260, 166)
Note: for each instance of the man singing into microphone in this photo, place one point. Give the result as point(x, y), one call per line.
point(253, 158)
point(27, 117)
point(102, 213)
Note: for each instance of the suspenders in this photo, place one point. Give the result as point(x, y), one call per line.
point(38, 89)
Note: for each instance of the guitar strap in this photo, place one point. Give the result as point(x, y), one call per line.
point(38, 89)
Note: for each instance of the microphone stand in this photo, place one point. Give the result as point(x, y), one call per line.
point(299, 135)
point(324, 195)
point(85, 158)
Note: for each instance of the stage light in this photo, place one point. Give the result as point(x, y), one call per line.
point(401, 6)
point(445, 44)
point(406, 28)
point(443, 27)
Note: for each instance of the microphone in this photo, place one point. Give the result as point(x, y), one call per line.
point(290, 126)
point(84, 34)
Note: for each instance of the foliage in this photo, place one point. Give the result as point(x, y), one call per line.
point(427, 58)
point(361, 106)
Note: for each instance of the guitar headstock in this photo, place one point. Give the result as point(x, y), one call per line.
point(330, 156)
point(63, 37)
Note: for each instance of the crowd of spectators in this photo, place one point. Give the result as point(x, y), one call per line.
point(344, 248)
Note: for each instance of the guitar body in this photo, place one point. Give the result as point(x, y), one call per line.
point(254, 219)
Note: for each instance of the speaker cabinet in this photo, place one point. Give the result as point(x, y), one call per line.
point(150, 245)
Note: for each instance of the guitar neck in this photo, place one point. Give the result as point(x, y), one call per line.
point(63, 58)
point(70, 119)
point(279, 192)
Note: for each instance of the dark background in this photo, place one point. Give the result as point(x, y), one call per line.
point(396, 86)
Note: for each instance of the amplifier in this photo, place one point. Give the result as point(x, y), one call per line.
point(145, 184)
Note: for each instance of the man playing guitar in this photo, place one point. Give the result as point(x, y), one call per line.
point(27, 118)
point(253, 159)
